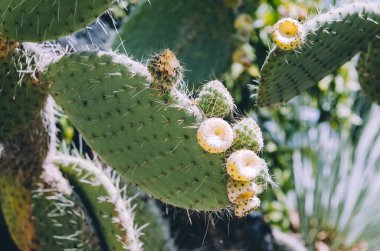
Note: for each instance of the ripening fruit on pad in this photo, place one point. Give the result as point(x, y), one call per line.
point(247, 135)
point(240, 191)
point(215, 135)
point(244, 208)
point(215, 100)
point(288, 34)
point(152, 144)
point(244, 165)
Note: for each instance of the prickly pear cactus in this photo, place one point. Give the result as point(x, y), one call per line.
point(199, 32)
point(36, 20)
point(173, 152)
point(112, 104)
point(368, 69)
point(331, 39)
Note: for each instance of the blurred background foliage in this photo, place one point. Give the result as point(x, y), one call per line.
point(322, 147)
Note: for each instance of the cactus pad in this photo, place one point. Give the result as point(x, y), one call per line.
point(198, 31)
point(38, 20)
point(331, 39)
point(151, 143)
point(102, 208)
point(368, 69)
point(19, 104)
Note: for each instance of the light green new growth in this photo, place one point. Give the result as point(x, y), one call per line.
point(215, 100)
point(331, 39)
point(247, 136)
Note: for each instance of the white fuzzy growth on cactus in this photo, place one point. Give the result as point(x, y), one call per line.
point(244, 165)
point(133, 66)
point(215, 100)
point(54, 178)
point(123, 207)
point(35, 58)
point(288, 34)
point(215, 135)
point(240, 191)
point(244, 208)
point(181, 101)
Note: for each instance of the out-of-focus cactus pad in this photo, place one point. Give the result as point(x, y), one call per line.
point(199, 32)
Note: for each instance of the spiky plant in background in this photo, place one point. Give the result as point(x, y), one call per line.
point(336, 186)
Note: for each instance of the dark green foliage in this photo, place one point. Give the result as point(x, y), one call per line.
point(39, 20)
point(331, 39)
point(199, 32)
point(152, 144)
point(369, 71)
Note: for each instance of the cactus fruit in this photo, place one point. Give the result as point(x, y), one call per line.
point(240, 191)
point(244, 165)
point(331, 39)
point(166, 72)
point(368, 69)
point(288, 34)
point(215, 100)
point(112, 104)
point(215, 135)
point(199, 32)
point(244, 208)
point(247, 135)
point(38, 20)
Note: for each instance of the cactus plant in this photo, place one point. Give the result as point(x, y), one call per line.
point(138, 118)
point(331, 39)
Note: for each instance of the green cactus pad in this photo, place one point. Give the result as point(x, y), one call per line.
point(152, 144)
point(199, 32)
point(103, 211)
point(19, 104)
point(38, 20)
point(369, 71)
point(62, 222)
point(94, 196)
point(331, 39)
